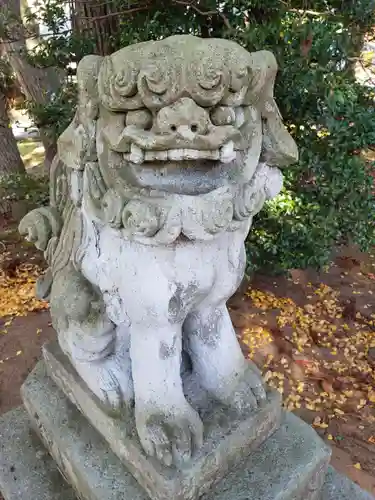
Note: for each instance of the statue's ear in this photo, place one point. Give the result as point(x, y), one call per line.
point(278, 147)
point(87, 83)
point(76, 145)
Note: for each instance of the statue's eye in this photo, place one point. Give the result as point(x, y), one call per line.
point(223, 115)
point(142, 118)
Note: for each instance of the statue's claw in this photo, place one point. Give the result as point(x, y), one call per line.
point(171, 435)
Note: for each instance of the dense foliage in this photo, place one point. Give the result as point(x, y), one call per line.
point(328, 195)
point(32, 191)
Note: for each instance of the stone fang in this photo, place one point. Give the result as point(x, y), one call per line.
point(136, 154)
point(227, 153)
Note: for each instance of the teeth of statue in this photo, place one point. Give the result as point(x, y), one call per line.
point(136, 154)
point(161, 155)
point(150, 155)
point(210, 155)
point(191, 154)
point(227, 153)
point(176, 154)
point(156, 155)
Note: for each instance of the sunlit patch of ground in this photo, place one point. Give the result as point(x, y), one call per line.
point(32, 152)
point(17, 292)
point(20, 266)
point(313, 336)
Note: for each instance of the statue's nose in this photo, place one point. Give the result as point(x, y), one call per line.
point(187, 131)
point(184, 118)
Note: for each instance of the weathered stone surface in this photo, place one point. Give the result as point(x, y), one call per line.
point(227, 441)
point(339, 487)
point(27, 472)
point(290, 465)
point(82, 455)
point(174, 148)
point(285, 467)
point(94, 469)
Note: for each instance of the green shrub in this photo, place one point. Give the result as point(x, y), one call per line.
point(328, 196)
point(58, 113)
point(32, 190)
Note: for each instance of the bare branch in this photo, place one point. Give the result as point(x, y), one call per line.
point(94, 19)
point(310, 12)
point(194, 7)
point(206, 13)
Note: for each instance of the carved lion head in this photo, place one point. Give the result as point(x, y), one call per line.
point(186, 114)
point(160, 124)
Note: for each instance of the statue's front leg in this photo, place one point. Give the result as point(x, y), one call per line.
point(168, 427)
point(218, 360)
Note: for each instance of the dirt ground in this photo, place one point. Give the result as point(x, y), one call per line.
point(311, 333)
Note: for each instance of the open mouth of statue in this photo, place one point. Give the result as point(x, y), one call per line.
point(224, 154)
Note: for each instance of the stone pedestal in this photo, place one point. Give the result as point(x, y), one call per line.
point(290, 465)
point(227, 441)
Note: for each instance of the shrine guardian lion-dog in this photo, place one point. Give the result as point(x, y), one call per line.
point(173, 149)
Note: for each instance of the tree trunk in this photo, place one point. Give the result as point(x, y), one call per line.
point(96, 21)
point(10, 158)
point(37, 84)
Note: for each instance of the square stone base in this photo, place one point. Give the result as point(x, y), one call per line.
point(227, 441)
point(289, 466)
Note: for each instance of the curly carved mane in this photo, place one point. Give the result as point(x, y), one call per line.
point(57, 229)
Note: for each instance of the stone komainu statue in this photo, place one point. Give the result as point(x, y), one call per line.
point(172, 151)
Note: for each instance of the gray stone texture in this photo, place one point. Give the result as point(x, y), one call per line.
point(339, 487)
point(27, 471)
point(85, 460)
point(174, 148)
point(290, 465)
point(227, 441)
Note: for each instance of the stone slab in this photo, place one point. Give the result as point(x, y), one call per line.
point(227, 440)
point(290, 465)
point(339, 487)
point(22, 453)
point(27, 471)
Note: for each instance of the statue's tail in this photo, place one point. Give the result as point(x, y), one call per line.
point(43, 226)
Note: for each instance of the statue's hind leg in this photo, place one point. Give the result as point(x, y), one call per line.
point(218, 360)
point(97, 348)
point(212, 343)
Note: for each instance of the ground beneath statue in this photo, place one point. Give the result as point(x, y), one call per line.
point(313, 334)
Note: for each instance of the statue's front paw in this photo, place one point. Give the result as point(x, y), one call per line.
point(249, 392)
point(171, 434)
